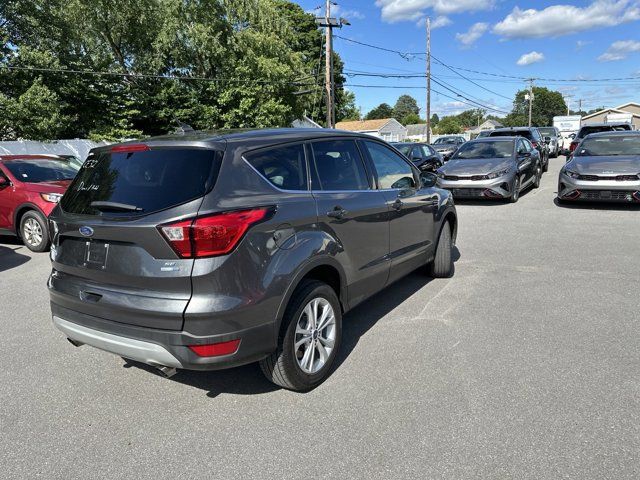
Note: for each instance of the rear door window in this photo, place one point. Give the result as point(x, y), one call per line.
point(393, 171)
point(337, 166)
point(150, 180)
point(284, 167)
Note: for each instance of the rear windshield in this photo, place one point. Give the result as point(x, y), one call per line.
point(609, 146)
point(484, 150)
point(584, 131)
point(41, 170)
point(518, 133)
point(548, 131)
point(146, 181)
point(445, 141)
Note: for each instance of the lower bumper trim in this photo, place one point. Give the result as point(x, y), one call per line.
point(141, 351)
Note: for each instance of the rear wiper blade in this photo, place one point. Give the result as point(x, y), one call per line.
point(115, 207)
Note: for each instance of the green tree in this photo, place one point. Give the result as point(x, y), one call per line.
point(546, 105)
point(411, 119)
point(249, 63)
point(406, 105)
point(384, 110)
point(471, 118)
point(435, 119)
point(449, 125)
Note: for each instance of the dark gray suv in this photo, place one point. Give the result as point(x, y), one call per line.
point(205, 251)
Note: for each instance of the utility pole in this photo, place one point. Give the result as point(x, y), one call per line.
point(329, 66)
point(428, 80)
point(567, 99)
point(329, 24)
point(530, 99)
point(580, 105)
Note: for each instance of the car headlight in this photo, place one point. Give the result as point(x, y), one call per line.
point(51, 197)
point(439, 174)
point(497, 174)
point(571, 174)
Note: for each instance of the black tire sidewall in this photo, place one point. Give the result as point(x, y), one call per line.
point(45, 230)
point(302, 380)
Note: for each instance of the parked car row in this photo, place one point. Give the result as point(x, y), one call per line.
point(210, 251)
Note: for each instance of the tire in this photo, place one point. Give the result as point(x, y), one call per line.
point(286, 366)
point(34, 231)
point(515, 190)
point(545, 168)
point(442, 264)
point(538, 177)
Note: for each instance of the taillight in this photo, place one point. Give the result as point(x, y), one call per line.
point(534, 144)
point(211, 235)
point(130, 147)
point(573, 146)
point(216, 349)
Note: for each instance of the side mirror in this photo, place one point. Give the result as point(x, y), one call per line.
point(572, 136)
point(547, 139)
point(428, 179)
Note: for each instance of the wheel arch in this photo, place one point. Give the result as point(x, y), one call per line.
point(325, 269)
point(19, 213)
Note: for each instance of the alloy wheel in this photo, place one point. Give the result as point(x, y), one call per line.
point(315, 335)
point(32, 232)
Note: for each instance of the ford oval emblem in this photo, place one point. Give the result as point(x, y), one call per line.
point(86, 231)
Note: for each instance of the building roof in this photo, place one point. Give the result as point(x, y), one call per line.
point(363, 125)
point(618, 109)
point(416, 129)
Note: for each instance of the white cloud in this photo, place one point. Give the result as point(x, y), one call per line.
point(529, 58)
point(580, 44)
point(399, 10)
point(619, 50)
point(441, 21)
point(336, 11)
point(558, 20)
point(473, 34)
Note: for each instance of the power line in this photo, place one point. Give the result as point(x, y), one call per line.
point(467, 79)
point(413, 55)
point(461, 95)
point(156, 76)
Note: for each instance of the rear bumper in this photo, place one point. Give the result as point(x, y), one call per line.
point(160, 347)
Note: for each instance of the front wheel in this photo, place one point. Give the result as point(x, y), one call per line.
point(442, 265)
point(309, 338)
point(538, 177)
point(515, 189)
point(34, 231)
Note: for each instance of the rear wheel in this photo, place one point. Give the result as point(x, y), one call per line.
point(309, 338)
point(442, 265)
point(34, 232)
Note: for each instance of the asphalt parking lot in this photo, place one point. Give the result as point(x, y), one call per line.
point(526, 364)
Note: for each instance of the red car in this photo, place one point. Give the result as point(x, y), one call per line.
point(30, 187)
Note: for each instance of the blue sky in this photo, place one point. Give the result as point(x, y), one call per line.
point(544, 39)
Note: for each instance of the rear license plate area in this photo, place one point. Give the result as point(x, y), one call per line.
point(96, 255)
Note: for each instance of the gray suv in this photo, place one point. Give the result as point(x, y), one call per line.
point(211, 250)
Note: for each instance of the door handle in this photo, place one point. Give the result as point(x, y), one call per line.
point(337, 212)
point(397, 205)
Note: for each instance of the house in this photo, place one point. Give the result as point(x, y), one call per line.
point(487, 125)
point(629, 110)
point(305, 122)
point(388, 129)
point(417, 132)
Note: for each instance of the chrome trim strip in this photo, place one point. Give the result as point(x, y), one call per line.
point(146, 352)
